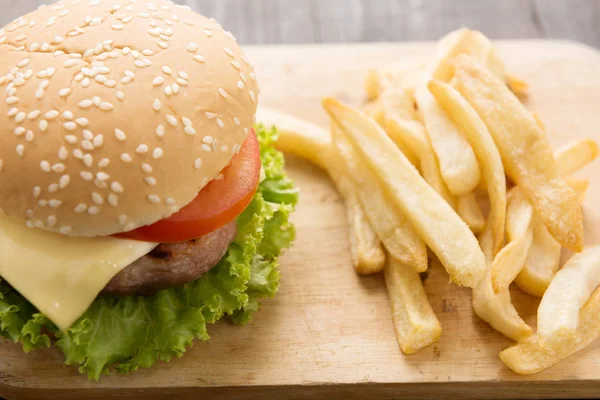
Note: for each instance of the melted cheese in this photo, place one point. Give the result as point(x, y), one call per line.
point(60, 275)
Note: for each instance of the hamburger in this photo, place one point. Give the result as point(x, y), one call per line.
point(138, 202)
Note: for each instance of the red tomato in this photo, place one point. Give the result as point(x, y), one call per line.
point(218, 203)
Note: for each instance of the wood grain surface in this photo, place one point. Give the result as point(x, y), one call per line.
point(329, 332)
point(319, 21)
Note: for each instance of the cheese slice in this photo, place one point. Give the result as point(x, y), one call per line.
point(61, 276)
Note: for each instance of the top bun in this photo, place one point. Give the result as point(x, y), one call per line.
point(116, 113)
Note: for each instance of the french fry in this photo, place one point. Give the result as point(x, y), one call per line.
point(576, 155)
point(520, 222)
point(458, 164)
point(525, 150)
point(485, 149)
point(558, 313)
point(405, 75)
point(374, 110)
point(314, 143)
point(496, 308)
point(518, 86)
point(391, 226)
point(538, 352)
point(414, 320)
point(544, 254)
point(404, 129)
point(541, 264)
point(434, 220)
point(470, 212)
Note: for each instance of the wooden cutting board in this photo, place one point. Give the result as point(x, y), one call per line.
point(329, 332)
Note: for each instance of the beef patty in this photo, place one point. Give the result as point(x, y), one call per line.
point(172, 264)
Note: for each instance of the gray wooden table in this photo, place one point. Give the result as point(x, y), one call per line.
point(318, 21)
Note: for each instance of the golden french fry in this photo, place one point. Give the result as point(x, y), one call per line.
point(541, 264)
point(485, 149)
point(405, 130)
point(496, 308)
point(434, 220)
point(313, 143)
point(414, 320)
point(538, 352)
point(520, 222)
point(539, 122)
point(367, 255)
point(391, 226)
point(525, 151)
point(580, 187)
point(470, 212)
point(576, 155)
point(458, 164)
point(374, 110)
point(572, 286)
point(405, 75)
point(517, 85)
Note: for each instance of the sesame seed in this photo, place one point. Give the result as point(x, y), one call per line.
point(209, 115)
point(120, 135)
point(224, 148)
point(117, 27)
point(88, 135)
point(207, 32)
point(86, 82)
point(246, 131)
point(154, 199)
point(199, 58)
point(95, 21)
point(228, 51)
point(240, 85)
point(164, 37)
point(170, 201)
point(186, 121)
point(126, 80)
point(141, 149)
point(51, 114)
point(166, 70)
point(189, 130)
point(147, 52)
point(97, 101)
point(65, 229)
point(206, 147)
point(62, 153)
point(12, 112)
point(113, 200)
point(70, 63)
point(120, 95)
point(54, 203)
point(150, 180)
point(208, 139)
point(51, 220)
point(220, 123)
point(175, 88)
point(144, 15)
point(12, 100)
point(23, 62)
point(243, 77)
point(126, 158)
point(42, 202)
point(191, 47)
point(34, 46)
point(88, 160)
point(71, 139)
point(64, 181)
point(171, 120)
point(70, 126)
point(98, 140)
point(37, 191)
point(30, 136)
point(87, 145)
point(106, 106)
point(64, 92)
point(68, 115)
point(50, 71)
point(188, 22)
point(110, 83)
point(81, 207)
point(39, 224)
point(100, 78)
point(20, 117)
point(29, 213)
point(168, 90)
point(163, 45)
point(156, 105)
point(198, 163)
point(97, 198)
point(93, 210)
point(147, 168)
point(181, 82)
point(45, 166)
point(53, 188)
point(82, 122)
point(58, 167)
point(139, 63)
point(252, 96)
point(78, 154)
point(116, 187)
point(158, 81)
point(19, 130)
point(86, 175)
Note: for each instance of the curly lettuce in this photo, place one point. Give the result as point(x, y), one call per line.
point(127, 333)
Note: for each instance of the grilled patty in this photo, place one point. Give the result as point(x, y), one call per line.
point(172, 264)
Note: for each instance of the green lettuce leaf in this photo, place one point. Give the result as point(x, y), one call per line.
point(127, 333)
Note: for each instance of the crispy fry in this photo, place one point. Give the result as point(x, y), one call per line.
point(313, 143)
point(576, 155)
point(458, 164)
point(414, 320)
point(558, 313)
point(374, 110)
point(580, 187)
point(435, 221)
point(541, 264)
point(496, 308)
point(517, 85)
point(520, 222)
point(486, 151)
point(470, 212)
point(391, 226)
point(405, 75)
point(525, 150)
point(538, 353)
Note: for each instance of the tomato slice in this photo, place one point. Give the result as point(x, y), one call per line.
point(218, 203)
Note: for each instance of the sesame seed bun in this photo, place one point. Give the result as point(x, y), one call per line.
point(114, 114)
